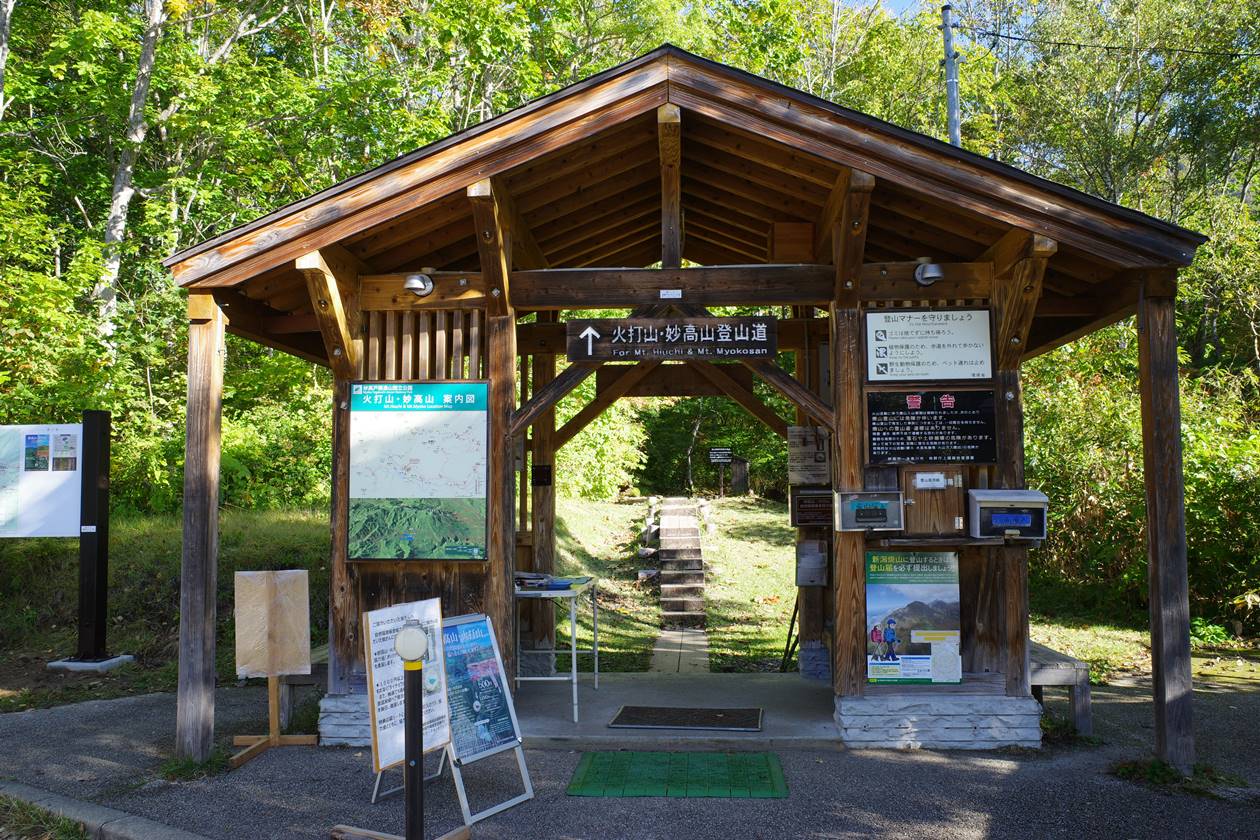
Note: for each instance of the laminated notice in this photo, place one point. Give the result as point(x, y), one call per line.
point(273, 623)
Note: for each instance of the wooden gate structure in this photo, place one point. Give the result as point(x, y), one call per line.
point(773, 198)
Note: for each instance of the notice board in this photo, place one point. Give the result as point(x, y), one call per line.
point(41, 483)
point(931, 427)
point(483, 720)
point(912, 617)
point(418, 470)
point(906, 345)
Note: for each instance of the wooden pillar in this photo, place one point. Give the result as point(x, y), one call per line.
point(809, 598)
point(194, 720)
point(1165, 520)
point(543, 481)
point(848, 242)
point(501, 356)
point(669, 142)
point(343, 613)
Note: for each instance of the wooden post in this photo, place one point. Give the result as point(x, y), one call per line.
point(501, 354)
point(1165, 520)
point(543, 481)
point(94, 537)
point(343, 619)
point(810, 598)
point(669, 141)
point(848, 243)
point(194, 722)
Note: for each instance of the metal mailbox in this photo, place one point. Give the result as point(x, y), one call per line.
point(1018, 514)
point(869, 510)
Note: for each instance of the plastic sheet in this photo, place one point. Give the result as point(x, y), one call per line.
point(273, 623)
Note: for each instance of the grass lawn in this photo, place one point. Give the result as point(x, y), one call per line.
point(750, 585)
point(20, 821)
point(601, 539)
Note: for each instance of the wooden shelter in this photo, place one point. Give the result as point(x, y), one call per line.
point(774, 198)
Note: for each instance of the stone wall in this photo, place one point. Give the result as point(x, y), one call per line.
point(962, 722)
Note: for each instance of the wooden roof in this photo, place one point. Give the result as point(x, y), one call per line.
point(582, 167)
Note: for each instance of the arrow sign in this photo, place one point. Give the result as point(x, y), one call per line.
point(590, 335)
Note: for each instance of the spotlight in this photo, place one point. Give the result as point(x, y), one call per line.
point(926, 272)
point(419, 285)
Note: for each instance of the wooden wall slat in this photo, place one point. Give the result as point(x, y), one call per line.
point(407, 347)
point(440, 357)
point(475, 338)
point(390, 346)
point(374, 346)
point(424, 346)
point(457, 345)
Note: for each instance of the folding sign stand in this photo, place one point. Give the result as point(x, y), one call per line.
point(469, 817)
point(378, 794)
point(256, 745)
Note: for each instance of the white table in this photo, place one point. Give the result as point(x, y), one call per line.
point(572, 594)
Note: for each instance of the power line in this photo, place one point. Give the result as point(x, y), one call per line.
point(1108, 47)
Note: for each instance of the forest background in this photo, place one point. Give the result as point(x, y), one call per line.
point(130, 129)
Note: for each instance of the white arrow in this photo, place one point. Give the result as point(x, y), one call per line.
point(590, 335)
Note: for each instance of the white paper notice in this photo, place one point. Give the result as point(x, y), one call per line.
point(916, 345)
point(946, 662)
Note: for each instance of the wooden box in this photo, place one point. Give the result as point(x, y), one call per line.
point(935, 500)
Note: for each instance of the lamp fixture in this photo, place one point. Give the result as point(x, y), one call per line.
point(420, 285)
point(927, 272)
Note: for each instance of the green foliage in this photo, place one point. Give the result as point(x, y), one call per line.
point(600, 461)
point(1204, 780)
point(22, 821)
point(1204, 633)
point(176, 769)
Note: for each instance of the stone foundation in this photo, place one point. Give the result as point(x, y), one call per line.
point(943, 721)
point(344, 721)
point(814, 661)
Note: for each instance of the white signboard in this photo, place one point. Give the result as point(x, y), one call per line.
point(40, 485)
point(808, 455)
point(916, 345)
point(385, 681)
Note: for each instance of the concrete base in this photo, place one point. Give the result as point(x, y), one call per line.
point(940, 721)
point(81, 666)
point(814, 661)
point(344, 721)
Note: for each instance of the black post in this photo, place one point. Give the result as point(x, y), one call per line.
point(413, 724)
point(94, 536)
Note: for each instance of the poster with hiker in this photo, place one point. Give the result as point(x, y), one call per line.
point(912, 617)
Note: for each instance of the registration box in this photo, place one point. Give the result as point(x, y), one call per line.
point(1016, 514)
point(869, 511)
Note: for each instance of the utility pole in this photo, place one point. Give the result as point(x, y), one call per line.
point(951, 75)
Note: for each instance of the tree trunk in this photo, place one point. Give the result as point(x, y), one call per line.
point(6, 17)
point(106, 292)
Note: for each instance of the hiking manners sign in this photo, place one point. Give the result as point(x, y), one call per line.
point(635, 339)
point(922, 346)
point(418, 470)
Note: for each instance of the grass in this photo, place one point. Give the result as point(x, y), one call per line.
point(750, 585)
point(21, 821)
point(177, 769)
point(600, 539)
point(1203, 781)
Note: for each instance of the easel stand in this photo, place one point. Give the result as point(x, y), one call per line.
point(378, 794)
point(256, 745)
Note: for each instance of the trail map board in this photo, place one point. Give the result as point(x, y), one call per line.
point(40, 480)
point(418, 470)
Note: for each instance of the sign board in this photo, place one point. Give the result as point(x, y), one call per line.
point(41, 484)
point(483, 720)
point(720, 455)
point(812, 560)
point(633, 339)
point(385, 681)
point(912, 617)
point(273, 623)
point(931, 427)
point(810, 508)
point(918, 345)
point(418, 470)
point(809, 461)
point(870, 510)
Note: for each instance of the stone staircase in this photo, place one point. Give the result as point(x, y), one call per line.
point(681, 563)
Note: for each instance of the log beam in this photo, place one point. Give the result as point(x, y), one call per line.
point(747, 399)
point(669, 141)
point(494, 245)
point(338, 319)
point(791, 388)
point(730, 285)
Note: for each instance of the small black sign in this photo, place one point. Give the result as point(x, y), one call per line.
point(720, 455)
point(811, 508)
point(540, 475)
point(931, 427)
point(633, 339)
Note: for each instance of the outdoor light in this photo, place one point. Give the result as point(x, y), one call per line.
point(418, 284)
point(411, 643)
point(926, 273)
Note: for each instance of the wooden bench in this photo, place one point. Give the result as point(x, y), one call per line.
point(317, 677)
point(1051, 668)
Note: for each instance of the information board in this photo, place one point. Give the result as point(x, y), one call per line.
point(418, 470)
point(808, 455)
point(931, 427)
point(917, 345)
point(912, 617)
point(720, 455)
point(632, 339)
point(811, 508)
point(41, 484)
point(385, 681)
point(483, 720)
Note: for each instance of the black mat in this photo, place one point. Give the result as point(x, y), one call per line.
point(664, 717)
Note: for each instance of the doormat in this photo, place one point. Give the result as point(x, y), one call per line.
point(689, 775)
point(664, 717)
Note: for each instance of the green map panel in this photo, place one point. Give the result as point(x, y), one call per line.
point(417, 529)
point(739, 775)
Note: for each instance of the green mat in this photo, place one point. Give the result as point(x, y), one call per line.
point(737, 775)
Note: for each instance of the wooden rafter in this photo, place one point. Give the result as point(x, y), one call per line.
point(249, 319)
point(669, 143)
point(494, 244)
point(525, 250)
point(746, 398)
point(792, 388)
point(603, 400)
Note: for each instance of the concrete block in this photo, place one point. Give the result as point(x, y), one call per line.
point(682, 619)
point(686, 576)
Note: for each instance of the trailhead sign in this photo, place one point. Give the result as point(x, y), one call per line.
point(635, 339)
point(913, 345)
point(418, 470)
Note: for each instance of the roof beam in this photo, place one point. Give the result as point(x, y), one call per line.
point(249, 319)
point(494, 245)
point(525, 250)
point(829, 215)
point(1016, 290)
point(1016, 244)
point(727, 285)
point(669, 141)
point(327, 273)
point(848, 237)
point(746, 398)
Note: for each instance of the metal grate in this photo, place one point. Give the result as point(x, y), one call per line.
point(679, 775)
point(665, 717)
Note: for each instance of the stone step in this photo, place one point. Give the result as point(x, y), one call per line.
point(668, 533)
point(678, 543)
point(668, 553)
point(682, 619)
point(682, 564)
point(674, 577)
point(690, 604)
point(682, 590)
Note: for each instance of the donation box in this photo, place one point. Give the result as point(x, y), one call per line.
point(1020, 514)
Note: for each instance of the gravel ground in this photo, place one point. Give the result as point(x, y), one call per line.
point(108, 751)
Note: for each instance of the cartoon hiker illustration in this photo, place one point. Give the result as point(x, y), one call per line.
point(890, 639)
point(877, 639)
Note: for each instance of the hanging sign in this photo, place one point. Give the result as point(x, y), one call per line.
point(633, 339)
point(912, 617)
point(917, 345)
point(931, 427)
point(418, 470)
point(808, 459)
point(385, 680)
point(40, 480)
